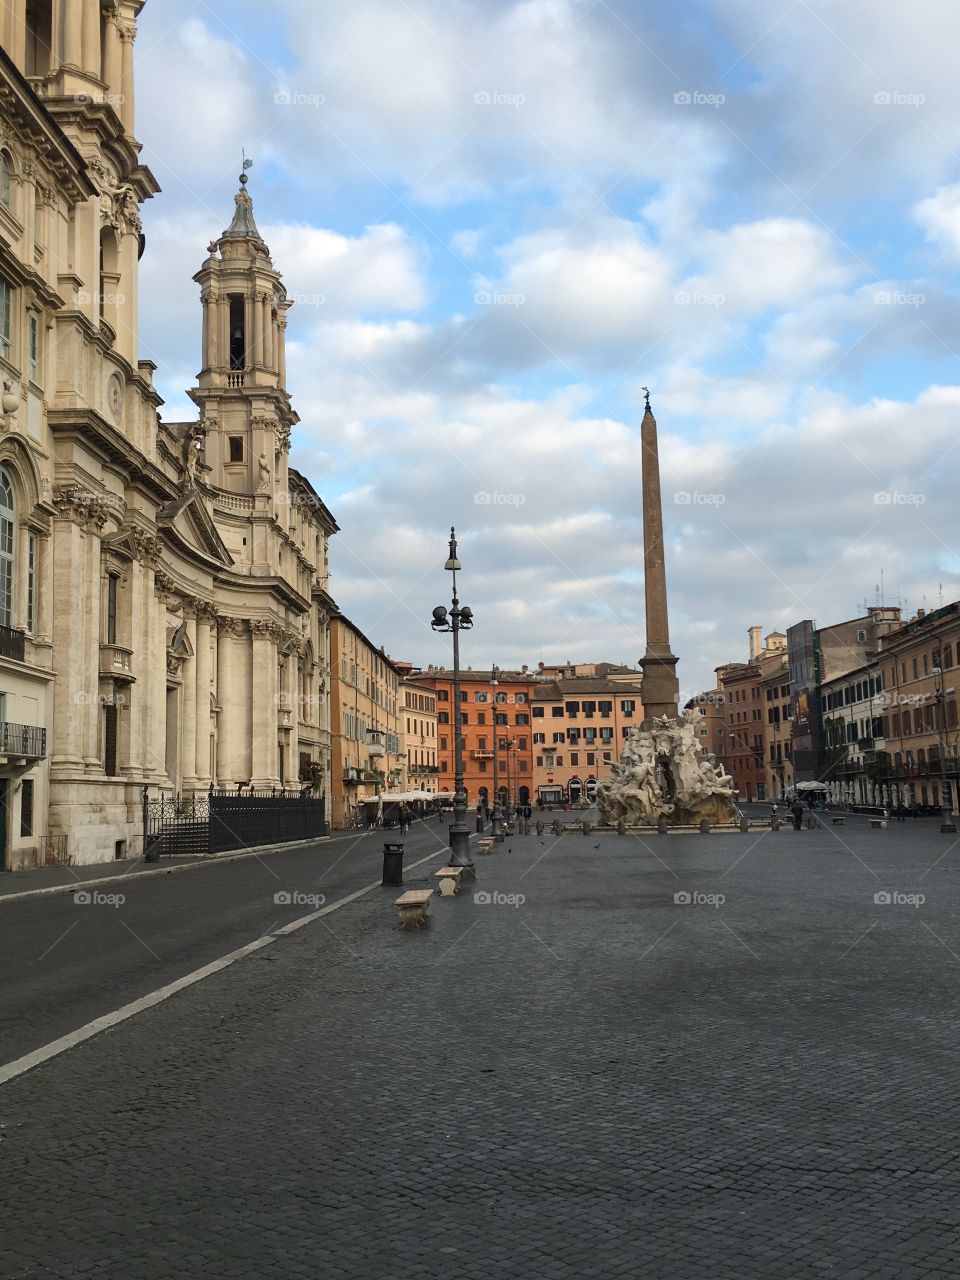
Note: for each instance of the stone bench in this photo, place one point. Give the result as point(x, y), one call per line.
point(449, 878)
point(486, 844)
point(412, 906)
point(878, 822)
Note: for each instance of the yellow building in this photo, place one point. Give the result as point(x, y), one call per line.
point(366, 717)
point(419, 736)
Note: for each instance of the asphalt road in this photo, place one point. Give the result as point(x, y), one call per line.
point(66, 961)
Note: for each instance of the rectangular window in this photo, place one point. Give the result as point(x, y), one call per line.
point(26, 807)
point(236, 448)
point(539, 762)
point(538, 713)
point(591, 757)
point(559, 737)
point(574, 757)
point(481, 717)
point(31, 582)
point(522, 718)
point(110, 740)
point(443, 717)
point(588, 709)
point(556, 711)
point(606, 708)
point(33, 346)
point(111, 608)
point(6, 306)
point(443, 744)
point(539, 737)
point(628, 706)
point(573, 709)
point(443, 695)
point(500, 718)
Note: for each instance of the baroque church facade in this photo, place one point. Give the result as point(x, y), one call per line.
point(164, 587)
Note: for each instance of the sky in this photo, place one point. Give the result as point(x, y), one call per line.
point(499, 220)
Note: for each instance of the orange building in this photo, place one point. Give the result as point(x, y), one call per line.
point(493, 716)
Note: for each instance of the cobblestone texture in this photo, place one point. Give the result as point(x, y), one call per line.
point(599, 1081)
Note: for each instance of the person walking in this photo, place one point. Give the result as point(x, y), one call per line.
point(797, 810)
point(404, 819)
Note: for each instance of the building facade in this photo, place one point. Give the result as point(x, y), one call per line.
point(580, 725)
point(366, 713)
point(187, 563)
point(419, 736)
point(750, 692)
point(495, 717)
point(890, 726)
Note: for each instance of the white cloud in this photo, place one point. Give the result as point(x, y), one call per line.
point(939, 216)
point(379, 270)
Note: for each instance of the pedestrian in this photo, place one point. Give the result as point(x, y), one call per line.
point(797, 810)
point(404, 819)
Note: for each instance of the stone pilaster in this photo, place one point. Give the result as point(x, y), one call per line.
point(205, 616)
point(188, 718)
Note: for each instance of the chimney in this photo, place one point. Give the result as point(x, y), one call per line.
point(755, 646)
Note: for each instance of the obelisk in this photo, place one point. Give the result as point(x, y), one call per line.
point(660, 687)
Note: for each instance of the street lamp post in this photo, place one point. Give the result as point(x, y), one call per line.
point(457, 620)
point(948, 825)
point(496, 817)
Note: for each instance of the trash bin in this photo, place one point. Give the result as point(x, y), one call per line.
point(392, 863)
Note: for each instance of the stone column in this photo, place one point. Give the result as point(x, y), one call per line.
point(233, 694)
point(250, 332)
point(204, 617)
point(188, 718)
point(70, 689)
point(129, 715)
point(223, 331)
point(71, 33)
point(128, 34)
point(113, 60)
point(264, 701)
point(157, 719)
point(282, 352)
point(93, 712)
point(264, 334)
point(91, 36)
point(211, 335)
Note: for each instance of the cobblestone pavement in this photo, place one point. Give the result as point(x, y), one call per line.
point(698, 1056)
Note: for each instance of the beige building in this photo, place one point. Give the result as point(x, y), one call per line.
point(749, 727)
point(164, 597)
point(710, 730)
point(367, 712)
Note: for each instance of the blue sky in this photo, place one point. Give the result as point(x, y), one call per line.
point(499, 220)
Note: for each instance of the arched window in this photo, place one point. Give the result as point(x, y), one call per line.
point(6, 549)
point(6, 173)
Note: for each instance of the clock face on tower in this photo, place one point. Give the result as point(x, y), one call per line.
point(115, 398)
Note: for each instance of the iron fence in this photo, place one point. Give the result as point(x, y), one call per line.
point(217, 821)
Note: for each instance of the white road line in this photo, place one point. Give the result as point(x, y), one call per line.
point(30, 1060)
point(211, 860)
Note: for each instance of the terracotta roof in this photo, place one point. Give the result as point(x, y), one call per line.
point(571, 687)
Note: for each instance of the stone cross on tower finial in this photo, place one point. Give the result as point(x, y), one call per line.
point(247, 164)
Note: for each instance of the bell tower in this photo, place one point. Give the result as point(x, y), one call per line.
point(245, 411)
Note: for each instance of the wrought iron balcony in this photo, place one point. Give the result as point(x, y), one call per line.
point(28, 741)
point(12, 643)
